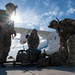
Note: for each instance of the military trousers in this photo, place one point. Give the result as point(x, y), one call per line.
point(5, 43)
point(71, 45)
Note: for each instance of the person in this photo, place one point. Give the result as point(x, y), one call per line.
point(5, 38)
point(54, 24)
point(57, 58)
point(33, 42)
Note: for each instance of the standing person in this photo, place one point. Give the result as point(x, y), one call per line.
point(5, 37)
point(33, 42)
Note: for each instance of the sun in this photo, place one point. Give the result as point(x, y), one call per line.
point(15, 18)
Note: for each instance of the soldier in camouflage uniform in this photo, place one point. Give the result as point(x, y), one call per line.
point(33, 42)
point(67, 38)
point(70, 40)
point(5, 40)
point(56, 58)
point(71, 54)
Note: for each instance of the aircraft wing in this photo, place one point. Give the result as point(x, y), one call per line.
point(43, 33)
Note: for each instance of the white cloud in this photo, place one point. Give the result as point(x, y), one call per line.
point(50, 13)
point(24, 1)
point(28, 18)
point(69, 3)
point(71, 10)
point(43, 27)
point(46, 3)
point(61, 13)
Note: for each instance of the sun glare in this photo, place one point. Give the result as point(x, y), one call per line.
point(15, 18)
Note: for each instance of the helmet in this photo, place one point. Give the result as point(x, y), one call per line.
point(53, 22)
point(34, 30)
point(11, 5)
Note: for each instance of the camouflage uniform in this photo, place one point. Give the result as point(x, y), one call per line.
point(5, 41)
point(67, 38)
point(71, 45)
point(33, 42)
point(4, 44)
point(63, 30)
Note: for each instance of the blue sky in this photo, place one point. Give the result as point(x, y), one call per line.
point(38, 13)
